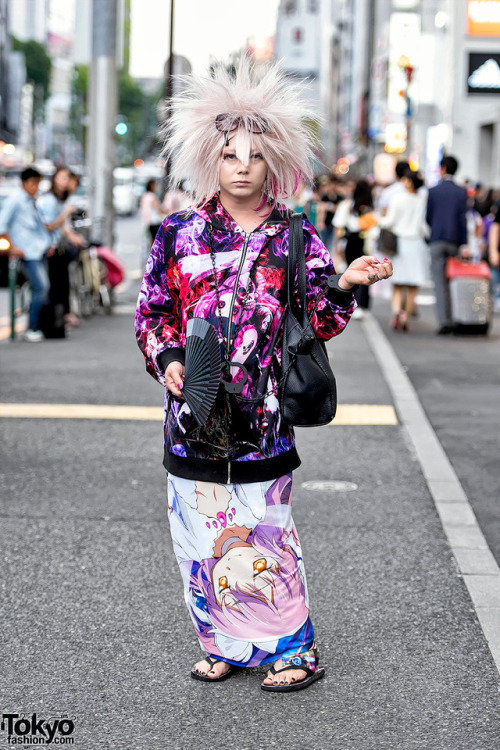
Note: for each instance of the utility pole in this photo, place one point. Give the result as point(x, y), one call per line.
point(103, 109)
point(4, 73)
point(169, 87)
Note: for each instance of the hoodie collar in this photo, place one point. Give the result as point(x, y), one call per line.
point(214, 212)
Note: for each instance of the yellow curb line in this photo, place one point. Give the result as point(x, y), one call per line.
point(347, 414)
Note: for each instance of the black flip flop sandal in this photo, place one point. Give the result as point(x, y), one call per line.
point(296, 663)
point(204, 678)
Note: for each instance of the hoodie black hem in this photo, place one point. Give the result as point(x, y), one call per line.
point(227, 472)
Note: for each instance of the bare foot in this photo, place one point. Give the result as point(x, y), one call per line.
point(284, 678)
point(204, 668)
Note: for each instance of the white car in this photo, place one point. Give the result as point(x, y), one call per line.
point(124, 194)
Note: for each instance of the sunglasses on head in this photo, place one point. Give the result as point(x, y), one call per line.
point(227, 123)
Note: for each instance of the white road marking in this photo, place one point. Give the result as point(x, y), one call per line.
point(473, 557)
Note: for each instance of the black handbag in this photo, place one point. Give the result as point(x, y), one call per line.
point(388, 241)
point(308, 392)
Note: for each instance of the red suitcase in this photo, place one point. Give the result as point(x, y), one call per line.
point(469, 285)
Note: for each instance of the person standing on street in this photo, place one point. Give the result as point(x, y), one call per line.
point(395, 188)
point(353, 221)
point(30, 241)
point(244, 144)
point(446, 217)
point(55, 210)
point(494, 260)
point(152, 212)
point(405, 217)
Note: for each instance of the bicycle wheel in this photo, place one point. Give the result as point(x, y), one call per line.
point(105, 292)
point(82, 293)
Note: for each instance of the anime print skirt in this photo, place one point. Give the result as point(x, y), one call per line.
point(242, 569)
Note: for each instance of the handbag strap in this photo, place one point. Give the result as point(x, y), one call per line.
point(297, 261)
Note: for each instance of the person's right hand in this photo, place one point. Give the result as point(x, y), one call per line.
point(16, 252)
point(174, 375)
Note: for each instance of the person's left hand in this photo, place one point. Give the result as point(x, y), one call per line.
point(78, 240)
point(366, 270)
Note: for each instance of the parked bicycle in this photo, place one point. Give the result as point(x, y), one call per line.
point(93, 275)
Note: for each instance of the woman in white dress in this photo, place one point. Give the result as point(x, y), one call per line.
point(406, 218)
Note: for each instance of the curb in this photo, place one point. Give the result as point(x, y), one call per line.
point(474, 560)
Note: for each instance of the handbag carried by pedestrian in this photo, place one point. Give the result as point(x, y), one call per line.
point(388, 241)
point(308, 392)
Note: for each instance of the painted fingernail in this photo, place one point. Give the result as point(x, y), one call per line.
point(386, 258)
point(179, 385)
point(367, 268)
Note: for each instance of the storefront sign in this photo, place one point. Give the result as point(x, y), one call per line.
point(484, 73)
point(483, 17)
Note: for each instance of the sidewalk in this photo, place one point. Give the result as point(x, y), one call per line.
point(95, 625)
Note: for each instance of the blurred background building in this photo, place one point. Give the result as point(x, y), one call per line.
point(413, 78)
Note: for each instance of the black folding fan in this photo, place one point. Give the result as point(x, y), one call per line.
point(203, 368)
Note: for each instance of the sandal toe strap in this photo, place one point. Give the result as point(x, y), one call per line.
point(307, 660)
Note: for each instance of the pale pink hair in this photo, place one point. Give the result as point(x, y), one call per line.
point(195, 145)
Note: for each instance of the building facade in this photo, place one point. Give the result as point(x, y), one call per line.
point(476, 82)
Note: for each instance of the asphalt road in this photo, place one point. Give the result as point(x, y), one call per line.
point(457, 379)
point(94, 625)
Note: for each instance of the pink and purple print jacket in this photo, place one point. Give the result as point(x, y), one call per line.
point(251, 277)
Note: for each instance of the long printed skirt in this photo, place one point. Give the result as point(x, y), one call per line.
point(242, 569)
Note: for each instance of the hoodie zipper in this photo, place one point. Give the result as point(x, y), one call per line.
point(230, 318)
point(233, 298)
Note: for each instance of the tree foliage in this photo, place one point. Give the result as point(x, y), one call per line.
point(38, 63)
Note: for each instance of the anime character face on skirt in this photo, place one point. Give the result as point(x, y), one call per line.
point(243, 568)
point(254, 590)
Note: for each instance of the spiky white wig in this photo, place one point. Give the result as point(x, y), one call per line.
point(195, 145)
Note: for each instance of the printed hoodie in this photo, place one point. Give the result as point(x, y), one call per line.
point(178, 284)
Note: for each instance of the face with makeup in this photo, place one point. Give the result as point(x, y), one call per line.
point(240, 181)
point(242, 567)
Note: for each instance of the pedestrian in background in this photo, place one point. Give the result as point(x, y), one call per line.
point(21, 222)
point(494, 260)
point(354, 220)
point(55, 210)
point(395, 188)
point(327, 204)
point(405, 217)
point(446, 217)
point(152, 211)
point(244, 144)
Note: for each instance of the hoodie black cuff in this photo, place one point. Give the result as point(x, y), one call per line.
point(337, 295)
point(171, 355)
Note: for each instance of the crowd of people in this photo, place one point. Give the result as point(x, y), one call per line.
point(352, 218)
point(418, 227)
point(41, 235)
